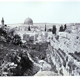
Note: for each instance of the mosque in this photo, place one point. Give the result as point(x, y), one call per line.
point(28, 21)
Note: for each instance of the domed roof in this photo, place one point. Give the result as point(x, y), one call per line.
point(28, 21)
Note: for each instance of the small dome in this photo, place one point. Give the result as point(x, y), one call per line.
point(28, 21)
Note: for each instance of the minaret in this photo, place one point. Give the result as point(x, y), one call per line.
point(2, 21)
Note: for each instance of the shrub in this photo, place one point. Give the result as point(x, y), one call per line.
point(49, 30)
point(3, 33)
point(16, 64)
point(16, 40)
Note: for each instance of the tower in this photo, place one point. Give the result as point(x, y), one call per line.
point(2, 21)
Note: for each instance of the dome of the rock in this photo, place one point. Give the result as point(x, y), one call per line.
point(28, 21)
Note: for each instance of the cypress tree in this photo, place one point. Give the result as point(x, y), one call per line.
point(45, 27)
point(65, 26)
point(29, 28)
point(54, 29)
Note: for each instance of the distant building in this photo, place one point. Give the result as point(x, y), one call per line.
point(31, 38)
point(26, 37)
point(36, 33)
point(24, 26)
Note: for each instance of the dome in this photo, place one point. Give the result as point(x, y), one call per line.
point(28, 21)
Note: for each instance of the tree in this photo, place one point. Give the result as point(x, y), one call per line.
point(17, 64)
point(65, 27)
point(29, 28)
point(11, 32)
point(10, 35)
point(3, 33)
point(54, 29)
point(45, 27)
point(61, 28)
point(16, 39)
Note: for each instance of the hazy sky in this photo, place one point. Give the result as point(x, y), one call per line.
point(40, 12)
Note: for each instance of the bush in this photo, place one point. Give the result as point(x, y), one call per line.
point(3, 33)
point(16, 40)
point(16, 64)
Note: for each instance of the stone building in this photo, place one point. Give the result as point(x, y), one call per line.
point(26, 37)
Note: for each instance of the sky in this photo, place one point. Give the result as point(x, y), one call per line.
point(40, 12)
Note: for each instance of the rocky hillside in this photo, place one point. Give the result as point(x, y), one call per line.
point(62, 54)
point(58, 57)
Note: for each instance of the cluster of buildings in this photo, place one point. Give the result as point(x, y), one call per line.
point(36, 33)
